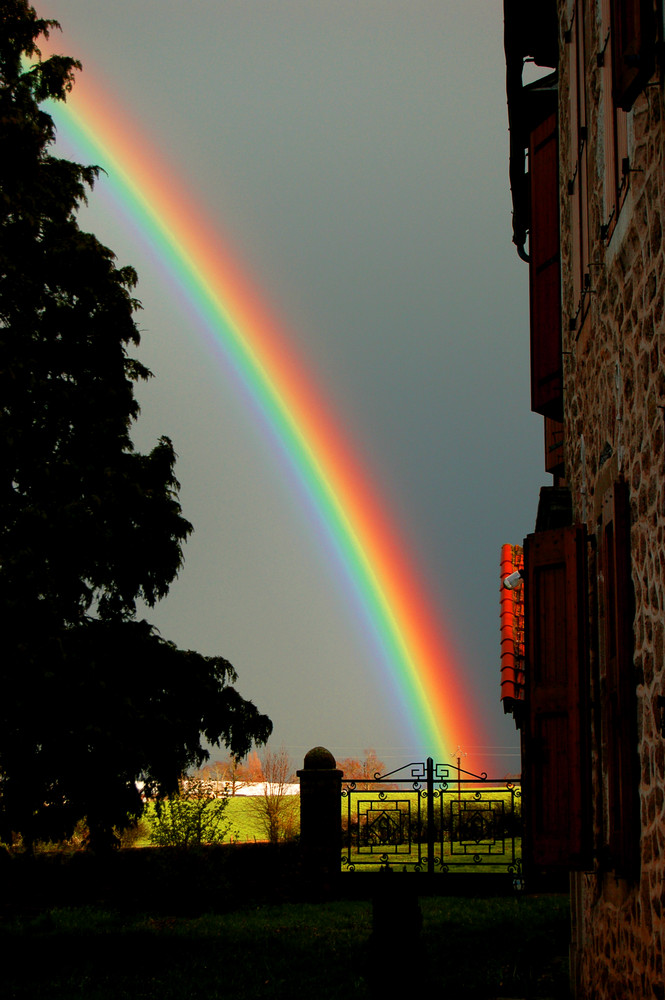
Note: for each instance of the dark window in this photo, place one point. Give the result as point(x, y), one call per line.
point(556, 756)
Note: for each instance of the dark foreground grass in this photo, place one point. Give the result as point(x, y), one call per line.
point(467, 949)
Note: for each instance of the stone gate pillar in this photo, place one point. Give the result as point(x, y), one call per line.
point(320, 816)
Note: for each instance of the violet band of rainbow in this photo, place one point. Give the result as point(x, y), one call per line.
point(423, 670)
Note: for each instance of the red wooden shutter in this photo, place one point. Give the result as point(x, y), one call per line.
point(620, 703)
point(544, 252)
point(556, 770)
point(632, 49)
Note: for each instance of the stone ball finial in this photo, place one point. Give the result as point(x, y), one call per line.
point(318, 759)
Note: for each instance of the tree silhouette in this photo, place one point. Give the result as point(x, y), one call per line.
point(93, 698)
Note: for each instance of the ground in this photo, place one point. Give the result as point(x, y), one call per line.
point(240, 924)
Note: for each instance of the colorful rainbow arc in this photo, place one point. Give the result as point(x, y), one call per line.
point(418, 657)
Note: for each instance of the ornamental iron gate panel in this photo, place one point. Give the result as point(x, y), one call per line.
point(432, 818)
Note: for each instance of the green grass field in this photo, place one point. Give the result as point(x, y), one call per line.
point(244, 821)
point(246, 825)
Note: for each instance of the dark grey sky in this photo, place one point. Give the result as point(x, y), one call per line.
point(355, 154)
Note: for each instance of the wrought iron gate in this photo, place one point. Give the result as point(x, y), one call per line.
point(432, 818)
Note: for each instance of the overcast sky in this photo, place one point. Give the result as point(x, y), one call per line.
point(355, 154)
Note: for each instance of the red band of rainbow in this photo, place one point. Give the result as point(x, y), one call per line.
point(419, 660)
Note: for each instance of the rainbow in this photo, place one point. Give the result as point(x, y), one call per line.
point(419, 659)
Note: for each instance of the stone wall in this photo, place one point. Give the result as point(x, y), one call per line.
point(614, 385)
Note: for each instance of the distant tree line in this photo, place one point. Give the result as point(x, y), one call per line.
point(364, 770)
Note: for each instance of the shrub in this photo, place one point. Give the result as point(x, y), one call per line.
point(193, 817)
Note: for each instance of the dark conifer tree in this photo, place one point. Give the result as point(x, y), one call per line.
point(92, 699)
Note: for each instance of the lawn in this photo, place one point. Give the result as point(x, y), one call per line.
point(477, 949)
point(244, 819)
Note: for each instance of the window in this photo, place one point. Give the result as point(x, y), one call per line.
point(556, 757)
point(620, 757)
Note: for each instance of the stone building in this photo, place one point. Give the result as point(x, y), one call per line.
point(586, 100)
